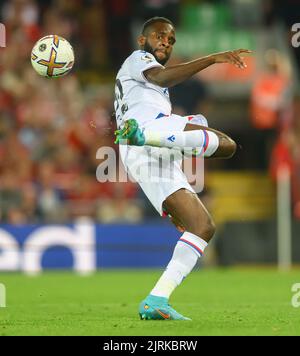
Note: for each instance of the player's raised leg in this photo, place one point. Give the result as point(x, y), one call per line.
point(186, 207)
point(211, 143)
point(226, 145)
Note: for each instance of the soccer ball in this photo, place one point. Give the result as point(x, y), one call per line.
point(52, 56)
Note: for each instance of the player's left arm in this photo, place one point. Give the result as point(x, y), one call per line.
point(173, 75)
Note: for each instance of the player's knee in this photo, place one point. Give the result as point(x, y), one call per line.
point(204, 228)
point(208, 230)
point(228, 147)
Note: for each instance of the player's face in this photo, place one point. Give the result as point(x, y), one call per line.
point(160, 41)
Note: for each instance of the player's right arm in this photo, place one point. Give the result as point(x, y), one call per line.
point(169, 76)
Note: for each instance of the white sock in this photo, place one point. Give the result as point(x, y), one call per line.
point(186, 253)
point(208, 141)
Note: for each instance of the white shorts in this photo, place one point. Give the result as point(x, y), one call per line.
point(152, 168)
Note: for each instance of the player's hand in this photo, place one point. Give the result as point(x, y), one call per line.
point(232, 57)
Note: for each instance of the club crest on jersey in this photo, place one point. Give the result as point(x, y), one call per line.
point(147, 58)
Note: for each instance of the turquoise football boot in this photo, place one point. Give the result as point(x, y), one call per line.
point(157, 308)
point(130, 134)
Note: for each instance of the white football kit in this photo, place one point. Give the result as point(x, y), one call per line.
point(135, 97)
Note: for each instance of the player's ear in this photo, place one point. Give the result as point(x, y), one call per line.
point(141, 40)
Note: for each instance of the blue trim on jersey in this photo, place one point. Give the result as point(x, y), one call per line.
point(160, 115)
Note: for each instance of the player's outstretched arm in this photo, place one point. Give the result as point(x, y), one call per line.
point(173, 75)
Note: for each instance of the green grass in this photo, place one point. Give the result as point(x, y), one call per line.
point(220, 302)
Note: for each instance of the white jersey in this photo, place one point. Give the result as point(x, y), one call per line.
point(135, 97)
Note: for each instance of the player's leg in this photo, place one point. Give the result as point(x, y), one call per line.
point(209, 141)
point(179, 200)
point(187, 208)
point(169, 136)
point(226, 146)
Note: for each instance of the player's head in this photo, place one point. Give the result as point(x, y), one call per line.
point(158, 38)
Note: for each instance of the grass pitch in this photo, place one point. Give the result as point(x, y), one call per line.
point(220, 302)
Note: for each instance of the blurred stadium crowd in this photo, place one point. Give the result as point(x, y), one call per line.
point(47, 144)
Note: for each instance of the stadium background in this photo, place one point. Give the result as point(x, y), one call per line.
point(53, 211)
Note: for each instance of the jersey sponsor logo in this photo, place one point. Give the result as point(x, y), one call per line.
point(171, 138)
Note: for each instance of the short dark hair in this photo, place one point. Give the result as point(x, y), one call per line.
point(153, 20)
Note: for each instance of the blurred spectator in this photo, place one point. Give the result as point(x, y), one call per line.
point(286, 152)
point(270, 93)
point(10, 194)
point(124, 207)
point(270, 103)
point(49, 195)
